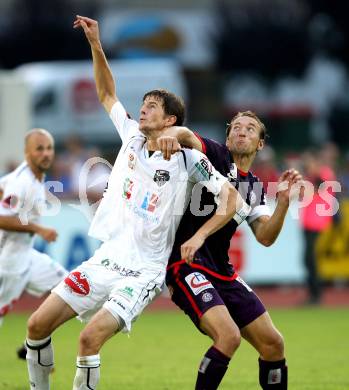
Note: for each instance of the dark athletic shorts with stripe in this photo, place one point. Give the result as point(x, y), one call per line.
point(195, 289)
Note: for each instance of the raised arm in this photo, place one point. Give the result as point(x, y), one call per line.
point(267, 228)
point(105, 83)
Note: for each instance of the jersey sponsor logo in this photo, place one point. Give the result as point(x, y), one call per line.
point(149, 202)
point(111, 266)
point(197, 282)
point(78, 282)
point(205, 168)
point(10, 202)
point(128, 187)
point(161, 177)
point(148, 217)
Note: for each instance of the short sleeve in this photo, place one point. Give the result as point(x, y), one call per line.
point(214, 150)
point(12, 198)
point(125, 126)
point(200, 170)
point(258, 203)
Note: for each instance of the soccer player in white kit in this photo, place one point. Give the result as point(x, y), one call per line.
point(136, 220)
point(22, 268)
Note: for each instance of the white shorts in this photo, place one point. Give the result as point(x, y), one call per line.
point(92, 286)
point(41, 276)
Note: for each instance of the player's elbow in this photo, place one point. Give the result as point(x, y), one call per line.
point(229, 194)
point(265, 241)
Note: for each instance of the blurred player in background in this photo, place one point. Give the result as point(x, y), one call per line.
point(136, 221)
point(208, 289)
point(22, 268)
point(312, 222)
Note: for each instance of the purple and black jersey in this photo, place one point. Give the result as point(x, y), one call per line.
point(212, 257)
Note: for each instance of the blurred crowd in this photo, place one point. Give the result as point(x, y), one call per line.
point(76, 160)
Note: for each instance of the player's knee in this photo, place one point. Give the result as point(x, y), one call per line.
point(279, 345)
point(89, 341)
point(274, 348)
point(36, 327)
point(228, 340)
point(233, 339)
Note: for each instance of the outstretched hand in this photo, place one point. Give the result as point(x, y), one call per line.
point(89, 26)
point(289, 185)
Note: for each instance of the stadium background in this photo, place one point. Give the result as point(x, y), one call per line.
point(285, 59)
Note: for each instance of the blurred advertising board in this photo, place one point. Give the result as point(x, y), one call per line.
point(185, 35)
point(64, 99)
point(278, 264)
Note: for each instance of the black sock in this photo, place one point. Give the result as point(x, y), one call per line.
point(273, 375)
point(212, 369)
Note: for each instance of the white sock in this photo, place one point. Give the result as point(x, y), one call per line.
point(39, 362)
point(87, 372)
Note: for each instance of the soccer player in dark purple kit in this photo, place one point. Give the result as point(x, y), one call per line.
point(208, 290)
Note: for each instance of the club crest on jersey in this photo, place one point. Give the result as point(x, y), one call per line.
point(207, 297)
point(197, 282)
point(233, 174)
point(78, 283)
point(132, 160)
point(161, 177)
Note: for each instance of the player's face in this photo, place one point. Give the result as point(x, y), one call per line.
point(40, 152)
point(152, 116)
point(244, 136)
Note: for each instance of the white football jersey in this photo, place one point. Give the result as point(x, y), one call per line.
point(23, 195)
point(146, 198)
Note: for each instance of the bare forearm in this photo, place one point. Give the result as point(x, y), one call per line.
point(184, 136)
point(215, 223)
point(105, 83)
point(230, 200)
point(269, 231)
point(14, 224)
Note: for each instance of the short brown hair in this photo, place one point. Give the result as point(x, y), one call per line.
point(263, 130)
point(172, 104)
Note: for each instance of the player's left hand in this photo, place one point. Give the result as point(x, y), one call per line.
point(289, 185)
point(189, 248)
point(168, 145)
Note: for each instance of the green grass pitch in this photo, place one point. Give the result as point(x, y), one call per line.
point(164, 350)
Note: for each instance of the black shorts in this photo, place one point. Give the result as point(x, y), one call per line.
point(195, 290)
